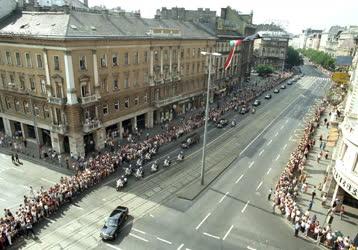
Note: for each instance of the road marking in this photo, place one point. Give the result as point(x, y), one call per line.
point(269, 142)
point(44, 179)
point(163, 240)
point(138, 237)
point(114, 247)
point(151, 215)
point(221, 200)
point(1, 199)
point(248, 247)
point(261, 152)
point(227, 233)
point(251, 164)
point(212, 236)
point(238, 179)
point(259, 186)
point(276, 134)
point(282, 127)
point(268, 171)
point(139, 231)
point(286, 121)
point(284, 147)
point(80, 208)
point(278, 156)
point(243, 210)
point(198, 226)
point(180, 247)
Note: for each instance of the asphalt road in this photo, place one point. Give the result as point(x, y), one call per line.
point(232, 213)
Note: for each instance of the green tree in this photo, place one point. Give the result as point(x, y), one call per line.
point(293, 58)
point(264, 70)
point(319, 57)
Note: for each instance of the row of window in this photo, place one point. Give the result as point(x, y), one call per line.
point(25, 106)
point(21, 60)
point(11, 80)
point(127, 103)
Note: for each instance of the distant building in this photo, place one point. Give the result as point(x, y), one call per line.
point(305, 35)
point(313, 41)
point(329, 40)
point(271, 49)
point(72, 3)
point(346, 41)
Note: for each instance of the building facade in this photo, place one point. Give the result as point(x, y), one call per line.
point(271, 49)
point(70, 78)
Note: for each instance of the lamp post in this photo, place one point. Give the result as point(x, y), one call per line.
point(213, 54)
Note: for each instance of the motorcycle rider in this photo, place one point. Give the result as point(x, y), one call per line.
point(181, 156)
point(253, 110)
point(167, 162)
point(154, 167)
point(139, 173)
point(233, 123)
point(128, 170)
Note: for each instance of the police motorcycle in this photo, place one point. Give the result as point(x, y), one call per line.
point(180, 156)
point(121, 182)
point(128, 170)
point(233, 123)
point(253, 110)
point(147, 156)
point(167, 162)
point(138, 173)
point(139, 162)
point(154, 167)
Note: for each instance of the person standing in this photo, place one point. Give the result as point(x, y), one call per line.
point(269, 194)
point(313, 194)
point(17, 158)
point(341, 212)
point(310, 205)
point(297, 228)
point(13, 158)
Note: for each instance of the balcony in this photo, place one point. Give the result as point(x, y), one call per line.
point(92, 125)
point(60, 128)
point(57, 100)
point(89, 99)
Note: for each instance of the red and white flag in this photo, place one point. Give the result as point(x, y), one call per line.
point(233, 44)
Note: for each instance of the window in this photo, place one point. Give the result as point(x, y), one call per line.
point(156, 56)
point(83, 65)
point(84, 89)
point(56, 63)
point(126, 59)
point(28, 60)
point(26, 107)
point(105, 109)
point(8, 58)
point(136, 58)
point(32, 84)
point(39, 61)
point(194, 52)
point(46, 112)
point(198, 68)
point(104, 85)
point(115, 83)
point(18, 59)
point(136, 101)
point(145, 77)
point(43, 86)
point(8, 103)
point(37, 110)
point(104, 61)
point(145, 98)
point(145, 56)
point(17, 105)
point(187, 68)
point(126, 102)
point(165, 55)
point(116, 105)
point(182, 54)
point(22, 82)
point(126, 82)
point(193, 68)
point(115, 60)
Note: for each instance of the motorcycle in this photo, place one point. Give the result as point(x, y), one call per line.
point(253, 111)
point(233, 123)
point(139, 173)
point(121, 182)
point(181, 156)
point(147, 156)
point(128, 170)
point(167, 162)
point(154, 167)
point(139, 162)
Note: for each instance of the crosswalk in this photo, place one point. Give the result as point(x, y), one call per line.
point(307, 81)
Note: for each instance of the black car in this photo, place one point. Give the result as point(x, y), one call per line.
point(283, 86)
point(112, 225)
point(190, 140)
point(268, 96)
point(276, 91)
point(222, 123)
point(256, 103)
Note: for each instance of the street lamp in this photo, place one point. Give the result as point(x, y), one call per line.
point(212, 54)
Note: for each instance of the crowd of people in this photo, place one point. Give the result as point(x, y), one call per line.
point(90, 171)
point(293, 180)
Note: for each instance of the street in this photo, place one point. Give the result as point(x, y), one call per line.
point(232, 213)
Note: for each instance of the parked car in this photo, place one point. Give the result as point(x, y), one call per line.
point(190, 140)
point(283, 86)
point(222, 123)
point(256, 103)
point(113, 223)
point(268, 96)
point(276, 91)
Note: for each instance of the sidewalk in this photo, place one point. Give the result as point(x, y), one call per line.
point(316, 173)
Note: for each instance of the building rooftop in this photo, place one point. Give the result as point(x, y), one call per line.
point(88, 25)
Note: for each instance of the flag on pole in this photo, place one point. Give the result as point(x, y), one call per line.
point(233, 44)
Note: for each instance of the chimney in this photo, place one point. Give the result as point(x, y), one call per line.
point(85, 2)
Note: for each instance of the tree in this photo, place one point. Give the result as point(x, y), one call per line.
point(293, 58)
point(264, 70)
point(319, 57)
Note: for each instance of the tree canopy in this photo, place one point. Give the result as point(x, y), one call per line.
point(264, 70)
point(320, 57)
point(293, 58)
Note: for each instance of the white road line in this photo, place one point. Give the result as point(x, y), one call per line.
point(114, 247)
point(276, 134)
point(282, 127)
point(221, 200)
point(251, 164)
point(151, 215)
point(180, 247)
point(243, 210)
point(268, 125)
point(47, 180)
point(163, 240)
point(227, 233)
point(187, 249)
point(198, 226)
point(248, 247)
point(138, 237)
point(139, 231)
point(212, 236)
point(284, 147)
point(268, 171)
point(278, 156)
point(1, 199)
point(259, 186)
point(238, 179)
point(269, 142)
point(261, 152)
